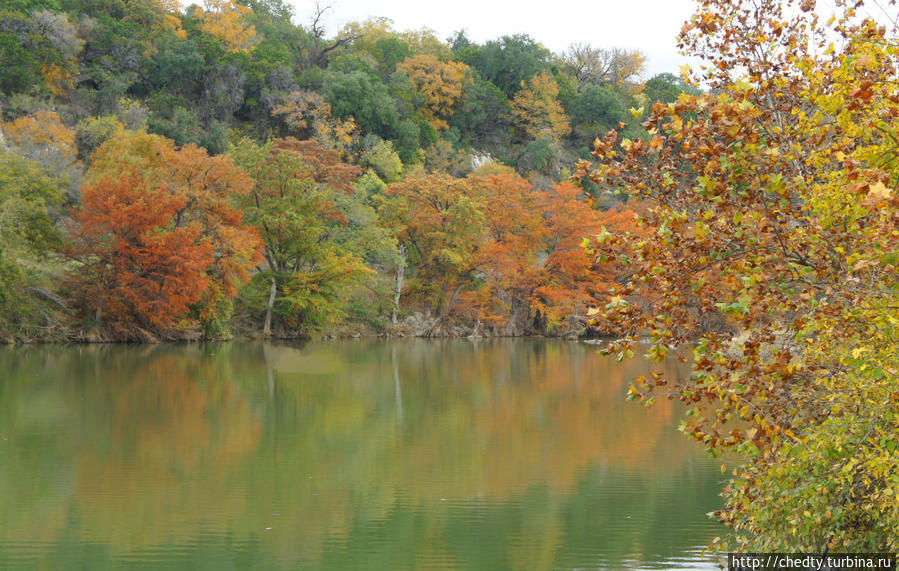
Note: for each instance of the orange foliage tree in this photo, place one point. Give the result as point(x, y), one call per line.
point(440, 220)
point(309, 115)
point(494, 249)
point(41, 132)
point(43, 137)
point(156, 236)
point(508, 261)
point(567, 273)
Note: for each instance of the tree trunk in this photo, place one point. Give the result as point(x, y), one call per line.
point(267, 327)
point(452, 301)
point(400, 270)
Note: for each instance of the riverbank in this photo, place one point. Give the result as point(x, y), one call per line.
point(415, 325)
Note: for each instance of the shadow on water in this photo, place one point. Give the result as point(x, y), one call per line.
point(489, 454)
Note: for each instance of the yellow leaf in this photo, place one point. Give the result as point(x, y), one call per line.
point(877, 193)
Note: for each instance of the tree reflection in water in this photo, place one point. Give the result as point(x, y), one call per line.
point(471, 454)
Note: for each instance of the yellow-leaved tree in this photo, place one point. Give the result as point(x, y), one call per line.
point(536, 108)
point(223, 20)
point(775, 257)
point(439, 83)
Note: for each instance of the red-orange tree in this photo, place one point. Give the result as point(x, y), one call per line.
point(508, 262)
point(497, 250)
point(568, 279)
point(156, 236)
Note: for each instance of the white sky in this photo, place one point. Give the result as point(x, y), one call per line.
point(648, 25)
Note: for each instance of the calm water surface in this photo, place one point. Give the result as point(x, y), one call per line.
point(505, 454)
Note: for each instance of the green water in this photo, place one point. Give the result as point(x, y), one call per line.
point(506, 454)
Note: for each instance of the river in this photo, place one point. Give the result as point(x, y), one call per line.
point(362, 454)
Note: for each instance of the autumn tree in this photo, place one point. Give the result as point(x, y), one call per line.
point(317, 235)
point(135, 267)
point(774, 256)
point(495, 252)
point(307, 113)
point(43, 137)
point(156, 239)
point(439, 83)
point(537, 111)
point(223, 20)
point(508, 262)
point(441, 222)
point(567, 280)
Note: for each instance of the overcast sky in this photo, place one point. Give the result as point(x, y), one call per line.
point(648, 25)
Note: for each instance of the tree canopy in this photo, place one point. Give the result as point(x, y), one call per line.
point(774, 257)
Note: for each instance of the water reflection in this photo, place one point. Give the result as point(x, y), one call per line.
point(445, 454)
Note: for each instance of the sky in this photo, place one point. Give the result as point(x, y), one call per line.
point(650, 26)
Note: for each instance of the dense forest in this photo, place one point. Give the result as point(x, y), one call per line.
point(199, 172)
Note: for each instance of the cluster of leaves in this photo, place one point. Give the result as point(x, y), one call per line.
point(775, 256)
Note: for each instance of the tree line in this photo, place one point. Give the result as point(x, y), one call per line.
point(174, 173)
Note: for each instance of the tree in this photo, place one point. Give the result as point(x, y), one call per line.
point(222, 19)
point(380, 156)
point(136, 267)
point(484, 114)
point(441, 222)
point(309, 114)
point(439, 83)
point(596, 110)
point(509, 260)
point(567, 280)
point(156, 239)
point(424, 41)
point(92, 132)
point(666, 88)
point(775, 255)
point(507, 62)
point(40, 49)
point(368, 102)
point(42, 137)
point(615, 67)
point(315, 241)
point(30, 198)
point(537, 111)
